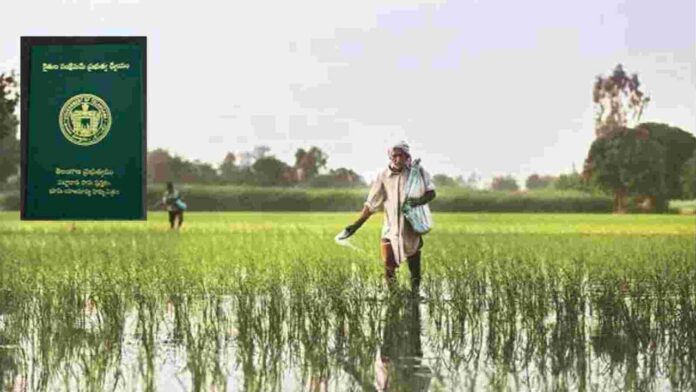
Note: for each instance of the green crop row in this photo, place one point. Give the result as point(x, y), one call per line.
point(214, 247)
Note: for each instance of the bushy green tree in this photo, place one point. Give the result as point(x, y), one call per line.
point(627, 162)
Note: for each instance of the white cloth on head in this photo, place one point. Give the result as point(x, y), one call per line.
point(403, 146)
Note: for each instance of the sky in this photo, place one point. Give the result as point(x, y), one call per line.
point(492, 87)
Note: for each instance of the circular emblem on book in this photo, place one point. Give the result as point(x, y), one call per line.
point(85, 119)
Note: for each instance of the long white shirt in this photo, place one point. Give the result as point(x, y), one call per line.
point(387, 191)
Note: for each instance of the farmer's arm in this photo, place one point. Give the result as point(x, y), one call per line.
point(364, 216)
point(375, 199)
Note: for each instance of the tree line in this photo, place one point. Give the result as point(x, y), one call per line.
point(254, 168)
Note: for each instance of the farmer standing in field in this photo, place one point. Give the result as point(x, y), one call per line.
point(175, 206)
point(399, 241)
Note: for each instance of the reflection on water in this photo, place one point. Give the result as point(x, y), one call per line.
point(399, 363)
point(535, 335)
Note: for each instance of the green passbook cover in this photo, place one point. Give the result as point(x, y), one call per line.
point(83, 128)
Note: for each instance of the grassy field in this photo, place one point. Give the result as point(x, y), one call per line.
point(266, 301)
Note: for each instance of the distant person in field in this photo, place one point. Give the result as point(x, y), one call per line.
point(399, 241)
point(175, 207)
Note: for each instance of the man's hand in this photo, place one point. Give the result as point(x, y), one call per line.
point(414, 201)
point(419, 201)
point(348, 232)
point(351, 229)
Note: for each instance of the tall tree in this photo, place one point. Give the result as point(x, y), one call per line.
point(619, 102)
point(9, 144)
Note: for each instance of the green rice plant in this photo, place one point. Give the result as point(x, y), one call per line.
point(269, 300)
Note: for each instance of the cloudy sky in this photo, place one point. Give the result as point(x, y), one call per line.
point(488, 86)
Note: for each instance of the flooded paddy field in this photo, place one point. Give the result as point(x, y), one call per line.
point(269, 301)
